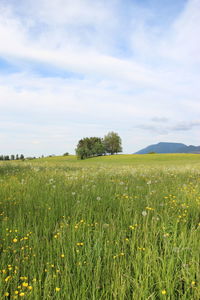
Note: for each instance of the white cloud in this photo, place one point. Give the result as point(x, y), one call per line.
point(155, 78)
point(183, 43)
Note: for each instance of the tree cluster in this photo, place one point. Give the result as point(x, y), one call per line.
point(66, 154)
point(11, 157)
point(95, 146)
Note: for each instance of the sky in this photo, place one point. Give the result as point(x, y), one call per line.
point(78, 68)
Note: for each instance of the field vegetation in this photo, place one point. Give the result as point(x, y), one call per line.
point(111, 227)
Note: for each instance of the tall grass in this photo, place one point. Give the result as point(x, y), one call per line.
point(100, 229)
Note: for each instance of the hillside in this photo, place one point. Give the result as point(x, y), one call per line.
point(164, 147)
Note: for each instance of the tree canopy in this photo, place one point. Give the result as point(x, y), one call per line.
point(95, 146)
point(89, 147)
point(112, 143)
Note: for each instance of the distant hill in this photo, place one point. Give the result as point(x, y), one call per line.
point(170, 148)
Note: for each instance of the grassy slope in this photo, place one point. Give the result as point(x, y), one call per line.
point(155, 160)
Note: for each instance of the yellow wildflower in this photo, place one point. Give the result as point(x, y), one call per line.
point(7, 278)
point(23, 278)
point(25, 284)
point(6, 294)
point(22, 294)
point(79, 244)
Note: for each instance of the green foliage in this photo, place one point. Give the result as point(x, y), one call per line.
point(11, 157)
point(66, 154)
point(90, 147)
point(112, 143)
point(95, 146)
point(6, 157)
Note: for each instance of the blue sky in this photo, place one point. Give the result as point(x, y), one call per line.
point(70, 69)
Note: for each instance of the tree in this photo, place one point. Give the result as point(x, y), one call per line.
point(12, 157)
point(89, 147)
point(112, 143)
point(21, 157)
point(82, 149)
point(99, 148)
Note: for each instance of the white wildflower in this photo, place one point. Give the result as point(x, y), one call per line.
point(144, 213)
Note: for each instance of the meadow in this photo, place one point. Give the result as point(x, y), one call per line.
point(113, 227)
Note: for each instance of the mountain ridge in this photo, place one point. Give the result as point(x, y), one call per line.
point(167, 147)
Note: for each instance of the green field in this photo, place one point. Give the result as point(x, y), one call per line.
point(113, 227)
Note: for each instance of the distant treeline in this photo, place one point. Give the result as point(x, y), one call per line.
point(12, 157)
